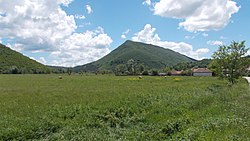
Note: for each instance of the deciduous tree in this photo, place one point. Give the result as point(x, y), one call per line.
point(229, 61)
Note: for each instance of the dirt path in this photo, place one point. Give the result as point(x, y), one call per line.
point(248, 79)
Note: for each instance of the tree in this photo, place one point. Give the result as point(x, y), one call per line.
point(154, 72)
point(120, 69)
point(69, 71)
point(14, 70)
point(139, 68)
point(229, 61)
point(167, 70)
point(131, 64)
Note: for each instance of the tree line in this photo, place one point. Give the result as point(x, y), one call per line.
point(23, 70)
point(228, 62)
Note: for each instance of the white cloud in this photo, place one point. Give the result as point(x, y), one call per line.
point(17, 46)
point(31, 57)
point(198, 15)
point(84, 24)
point(248, 53)
point(146, 35)
point(64, 2)
point(36, 25)
point(215, 43)
point(89, 9)
point(189, 37)
point(42, 60)
point(127, 31)
point(124, 34)
point(147, 2)
point(202, 50)
point(81, 17)
point(82, 48)
point(43, 26)
point(204, 34)
point(149, 36)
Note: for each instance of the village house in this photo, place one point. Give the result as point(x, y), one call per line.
point(202, 72)
point(162, 74)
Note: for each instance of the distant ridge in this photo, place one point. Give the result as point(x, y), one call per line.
point(151, 56)
point(14, 62)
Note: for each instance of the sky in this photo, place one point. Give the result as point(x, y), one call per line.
point(76, 32)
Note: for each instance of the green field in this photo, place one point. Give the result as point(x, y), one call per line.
point(103, 107)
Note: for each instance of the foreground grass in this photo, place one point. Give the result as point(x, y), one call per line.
point(43, 107)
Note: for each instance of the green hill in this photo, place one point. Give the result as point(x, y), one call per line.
point(204, 63)
point(14, 62)
point(151, 56)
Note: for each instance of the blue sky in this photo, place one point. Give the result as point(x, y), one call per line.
point(75, 32)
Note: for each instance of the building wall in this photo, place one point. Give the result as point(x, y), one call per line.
point(202, 74)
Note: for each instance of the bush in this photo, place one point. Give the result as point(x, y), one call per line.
point(154, 72)
point(145, 72)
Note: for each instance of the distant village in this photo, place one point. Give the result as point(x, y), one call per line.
point(194, 72)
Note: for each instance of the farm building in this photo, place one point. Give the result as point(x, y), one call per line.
point(162, 74)
point(202, 72)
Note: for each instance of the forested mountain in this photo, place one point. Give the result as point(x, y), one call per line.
point(14, 62)
point(150, 56)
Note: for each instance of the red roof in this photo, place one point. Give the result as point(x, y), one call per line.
point(201, 70)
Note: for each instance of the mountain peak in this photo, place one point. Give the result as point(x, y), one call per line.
point(151, 56)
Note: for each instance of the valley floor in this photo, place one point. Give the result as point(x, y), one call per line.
point(107, 107)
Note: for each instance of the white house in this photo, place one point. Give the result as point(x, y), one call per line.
point(202, 72)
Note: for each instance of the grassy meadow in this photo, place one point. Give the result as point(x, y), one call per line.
point(107, 107)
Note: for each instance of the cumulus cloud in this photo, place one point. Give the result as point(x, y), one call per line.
point(89, 9)
point(147, 2)
point(198, 15)
point(149, 36)
point(215, 43)
point(124, 34)
point(35, 25)
point(146, 35)
point(82, 48)
point(43, 26)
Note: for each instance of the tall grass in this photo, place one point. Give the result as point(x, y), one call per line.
point(43, 107)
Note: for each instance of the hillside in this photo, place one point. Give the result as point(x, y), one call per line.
point(14, 62)
point(189, 65)
point(151, 56)
point(58, 69)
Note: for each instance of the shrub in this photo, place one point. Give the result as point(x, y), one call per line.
point(145, 72)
